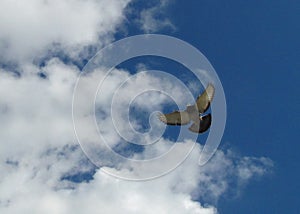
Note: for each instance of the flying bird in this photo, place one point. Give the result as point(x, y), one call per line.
point(193, 113)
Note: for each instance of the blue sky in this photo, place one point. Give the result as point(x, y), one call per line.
point(254, 47)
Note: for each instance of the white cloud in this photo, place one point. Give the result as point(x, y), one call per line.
point(249, 167)
point(29, 104)
point(152, 20)
point(28, 28)
point(37, 152)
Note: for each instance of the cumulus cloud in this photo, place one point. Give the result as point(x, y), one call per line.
point(150, 24)
point(38, 151)
point(153, 19)
point(28, 104)
point(44, 168)
point(30, 28)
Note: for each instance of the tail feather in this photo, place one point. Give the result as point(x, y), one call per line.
point(203, 124)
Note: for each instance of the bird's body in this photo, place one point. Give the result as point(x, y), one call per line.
point(192, 113)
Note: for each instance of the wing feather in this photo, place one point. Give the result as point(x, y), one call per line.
point(204, 100)
point(175, 118)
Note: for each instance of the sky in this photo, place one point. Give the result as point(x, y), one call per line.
point(52, 158)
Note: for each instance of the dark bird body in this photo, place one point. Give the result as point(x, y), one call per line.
point(193, 113)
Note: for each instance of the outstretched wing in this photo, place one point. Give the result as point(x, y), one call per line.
point(204, 100)
point(201, 126)
point(175, 118)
